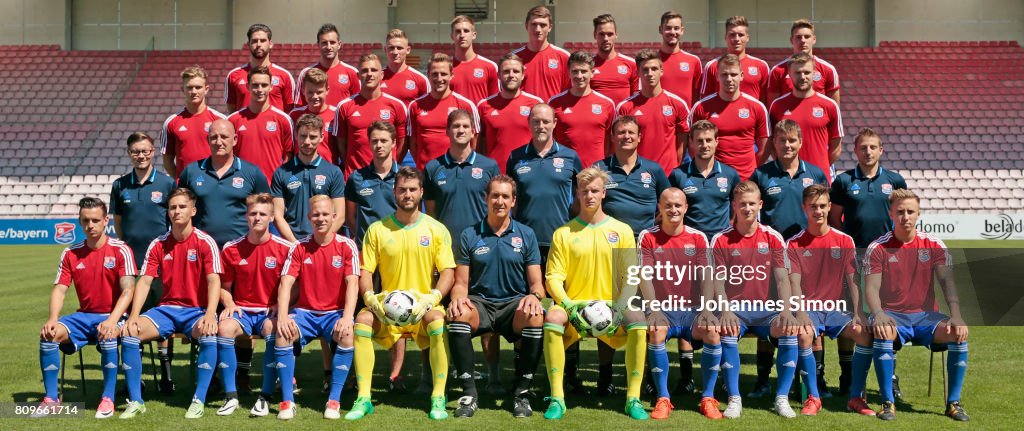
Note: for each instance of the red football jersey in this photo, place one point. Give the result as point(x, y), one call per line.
point(823, 263)
point(660, 118)
point(681, 75)
point(406, 85)
point(545, 72)
point(826, 77)
point(184, 136)
point(342, 82)
point(355, 115)
point(506, 124)
point(321, 272)
point(583, 123)
point(689, 248)
point(183, 267)
point(236, 90)
point(755, 78)
point(476, 79)
point(428, 123)
point(264, 138)
point(907, 269)
point(616, 78)
point(820, 121)
point(96, 274)
point(764, 251)
point(254, 270)
point(740, 124)
point(326, 148)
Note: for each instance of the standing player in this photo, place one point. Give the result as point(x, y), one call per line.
point(325, 265)
point(588, 261)
point(138, 202)
point(428, 115)
point(264, 131)
point(473, 75)
point(316, 91)
point(706, 182)
point(103, 272)
point(401, 81)
point(359, 111)
point(741, 119)
point(900, 269)
point(545, 66)
point(342, 79)
point(498, 289)
point(188, 263)
point(750, 244)
point(584, 116)
point(504, 115)
point(820, 276)
point(660, 114)
point(682, 70)
point(221, 184)
point(782, 181)
point(305, 176)
point(817, 115)
point(615, 74)
point(236, 88)
point(404, 249)
point(755, 70)
point(252, 269)
point(673, 241)
point(369, 191)
point(183, 136)
point(825, 76)
point(634, 182)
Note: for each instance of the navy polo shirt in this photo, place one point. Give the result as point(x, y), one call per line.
point(459, 190)
point(708, 199)
point(374, 196)
point(633, 198)
point(221, 201)
point(545, 187)
point(296, 182)
point(497, 264)
point(142, 206)
point(865, 202)
point(783, 195)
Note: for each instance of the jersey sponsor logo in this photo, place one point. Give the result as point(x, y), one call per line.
point(80, 265)
point(410, 84)
point(366, 192)
point(597, 71)
point(735, 252)
point(666, 110)
point(524, 111)
point(685, 67)
point(517, 242)
point(523, 169)
point(807, 253)
point(855, 189)
point(308, 261)
point(817, 112)
point(886, 188)
point(808, 182)
point(762, 247)
point(343, 79)
point(385, 114)
point(690, 249)
point(241, 82)
point(64, 233)
point(271, 126)
point(442, 176)
point(817, 76)
point(714, 115)
point(752, 71)
point(199, 181)
point(336, 261)
point(478, 73)
point(183, 128)
point(482, 251)
point(690, 190)
point(646, 178)
point(383, 85)
point(494, 113)
point(357, 114)
point(558, 162)
point(193, 255)
point(109, 262)
point(923, 255)
point(156, 197)
point(477, 173)
point(787, 113)
point(424, 240)
point(613, 237)
point(293, 183)
point(774, 190)
point(744, 113)
point(552, 63)
point(275, 81)
point(837, 252)
point(126, 196)
point(243, 262)
point(242, 128)
point(238, 182)
point(893, 259)
point(168, 257)
point(638, 113)
point(596, 109)
point(611, 185)
point(320, 180)
point(622, 69)
point(424, 113)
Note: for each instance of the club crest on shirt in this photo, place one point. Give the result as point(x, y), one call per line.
point(807, 182)
point(193, 255)
point(886, 188)
point(595, 109)
point(424, 240)
point(666, 110)
point(722, 182)
point(524, 111)
point(156, 197)
point(477, 173)
point(752, 71)
point(336, 261)
point(270, 262)
point(558, 162)
point(817, 112)
point(646, 178)
point(685, 67)
point(206, 126)
point(613, 237)
point(271, 126)
point(762, 247)
point(275, 81)
point(552, 63)
point(744, 113)
point(238, 182)
point(690, 249)
point(410, 84)
point(923, 255)
point(517, 242)
point(478, 73)
point(837, 252)
point(320, 180)
point(817, 76)
point(622, 69)
point(385, 114)
point(109, 262)
point(343, 79)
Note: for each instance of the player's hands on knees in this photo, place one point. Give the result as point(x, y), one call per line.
point(233, 310)
point(107, 330)
point(707, 321)
point(958, 328)
point(343, 327)
point(730, 324)
point(883, 327)
point(657, 319)
point(208, 325)
point(131, 327)
point(530, 306)
point(459, 306)
point(859, 321)
point(49, 330)
point(806, 326)
point(286, 328)
point(787, 323)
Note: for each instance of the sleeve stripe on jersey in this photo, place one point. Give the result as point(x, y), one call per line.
point(680, 99)
point(291, 256)
point(765, 63)
point(424, 77)
point(640, 241)
point(233, 242)
point(778, 236)
point(598, 94)
point(945, 251)
point(355, 253)
point(689, 115)
point(217, 113)
point(288, 118)
point(227, 82)
point(839, 114)
point(149, 249)
point(291, 79)
point(213, 248)
point(488, 61)
point(871, 250)
point(472, 110)
point(767, 121)
point(777, 99)
point(163, 131)
point(337, 113)
point(126, 254)
point(400, 103)
point(707, 73)
point(557, 96)
point(60, 264)
point(537, 98)
point(297, 91)
point(835, 73)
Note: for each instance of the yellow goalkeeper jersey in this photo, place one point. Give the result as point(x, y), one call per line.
point(589, 261)
point(407, 256)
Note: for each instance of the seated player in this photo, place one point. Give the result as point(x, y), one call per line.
point(324, 264)
point(899, 268)
point(498, 288)
point(673, 242)
point(748, 245)
point(404, 249)
point(252, 270)
point(588, 261)
point(188, 263)
point(102, 270)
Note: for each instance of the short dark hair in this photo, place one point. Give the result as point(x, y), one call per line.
point(624, 119)
point(261, 70)
point(259, 27)
point(91, 202)
point(326, 28)
point(604, 19)
point(503, 179)
point(182, 191)
point(409, 173)
point(581, 57)
point(458, 114)
point(645, 55)
point(383, 126)
point(815, 191)
point(702, 125)
point(670, 15)
point(139, 136)
point(310, 120)
point(785, 126)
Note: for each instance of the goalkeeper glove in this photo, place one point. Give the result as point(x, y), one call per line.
point(425, 303)
point(374, 305)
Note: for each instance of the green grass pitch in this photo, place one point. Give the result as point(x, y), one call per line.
point(992, 394)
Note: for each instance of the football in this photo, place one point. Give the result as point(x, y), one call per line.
point(601, 318)
point(398, 306)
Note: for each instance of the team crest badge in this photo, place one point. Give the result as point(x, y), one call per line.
point(524, 111)
point(836, 252)
point(424, 240)
point(478, 73)
point(690, 249)
point(193, 255)
point(613, 237)
point(762, 247)
point(558, 162)
point(270, 262)
point(552, 63)
point(666, 110)
point(320, 180)
point(410, 84)
point(206, 126)
point(645, 178)
point(343, 79)
point(808, 182)
point(596, 109)
point(156, 197)
point(517, 242)
point(275, 81)
point(336, 261)
point(818, 112)
point(64, 233)
point(817, 76)
point(744, 113)
point(385, 114)
point(685, 67)
point(477, 173)
point(271, 126)
point(752, 71)
point(238, 182)
point(109, 262)
point(923, 255)
point(722, 183)
point(886, 188)
point(622, 69)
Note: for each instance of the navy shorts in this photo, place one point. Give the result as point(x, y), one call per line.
point(171, 319)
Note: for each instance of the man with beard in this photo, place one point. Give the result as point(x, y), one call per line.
point(584, 116)
point(614, 73)
point(359, 111)
point(236, 89)
point(264, 132)
point(755, 70)
point(342, 79)
point(505, 114)
point(682, 70)
point(428, 115)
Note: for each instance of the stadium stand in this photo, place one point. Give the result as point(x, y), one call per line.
point(950, 126)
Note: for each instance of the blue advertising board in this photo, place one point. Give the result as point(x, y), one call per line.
point(61, 231)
